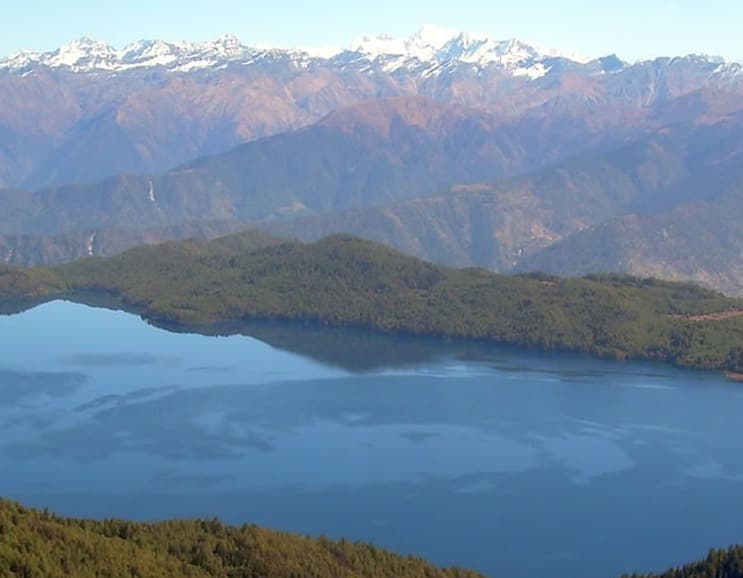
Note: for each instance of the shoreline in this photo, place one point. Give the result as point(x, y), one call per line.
point(241, 325)
point(220, 321)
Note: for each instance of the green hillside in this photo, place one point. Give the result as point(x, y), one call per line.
point(718, 564)
point(343, 281)
point(36, 544)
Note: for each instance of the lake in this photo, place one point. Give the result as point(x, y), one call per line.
point(516, 464)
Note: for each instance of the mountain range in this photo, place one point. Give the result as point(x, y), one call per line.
point(87, 111)
point(450, 146)
point(428, 49)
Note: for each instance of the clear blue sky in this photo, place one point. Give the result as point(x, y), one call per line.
point(632, 28)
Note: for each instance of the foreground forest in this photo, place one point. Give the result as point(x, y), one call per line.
point(344, 281)
point(718, 564)
point(36, 544)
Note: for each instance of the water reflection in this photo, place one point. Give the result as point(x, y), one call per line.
point(353, 350)
point(514, 463)
point(392, 427)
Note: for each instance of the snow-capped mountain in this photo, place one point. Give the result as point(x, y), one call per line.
point(431, 50)
point(88, 55)
point(155, 104)
point(437, 48)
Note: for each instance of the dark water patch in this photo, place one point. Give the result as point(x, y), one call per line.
point(124, 399)
point(89, 443)
point(180, 481)
point(418, 436)
point(18, 386)
point(121, 360)
point(213, 368)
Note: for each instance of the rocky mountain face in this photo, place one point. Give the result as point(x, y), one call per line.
point(453, 147)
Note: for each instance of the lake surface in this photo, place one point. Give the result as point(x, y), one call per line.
point(512, 463)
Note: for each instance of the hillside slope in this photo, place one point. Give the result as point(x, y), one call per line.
point(418, 175)
point(347, 282)
point(375, 153)
point(701, 242)
point(667, 205)
point(38, 544)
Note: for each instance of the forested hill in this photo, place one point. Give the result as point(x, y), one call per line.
point(343, 281)
point(37, 544)
point(718, 564)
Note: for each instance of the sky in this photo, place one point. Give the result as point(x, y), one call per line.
point(633, 29)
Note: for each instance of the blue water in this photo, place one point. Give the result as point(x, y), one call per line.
point(512, 463)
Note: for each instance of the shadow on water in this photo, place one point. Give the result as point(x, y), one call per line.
point(121, 360)
point(351, 349)
point(15, 306)
point(357, 350)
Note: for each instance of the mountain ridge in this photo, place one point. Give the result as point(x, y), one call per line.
point(430, 45)
point(173, 103)
point(430, 50)
point(449, 183)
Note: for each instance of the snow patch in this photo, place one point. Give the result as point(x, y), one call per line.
point(533, 72)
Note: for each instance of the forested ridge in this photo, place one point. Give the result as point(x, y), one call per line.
point(344, 281)
point(39, 544)
point(718, 564)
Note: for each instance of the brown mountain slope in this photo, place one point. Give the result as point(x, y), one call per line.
point(149, 123)
point(371, 169)
point(370, 154)
point(59, 127)
point(501, 226)
point(700, 242)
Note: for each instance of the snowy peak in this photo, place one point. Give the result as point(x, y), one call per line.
point(84, 53)
point(88, 55)
point(436, 36)
point(437, 47)
point(431, 51)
